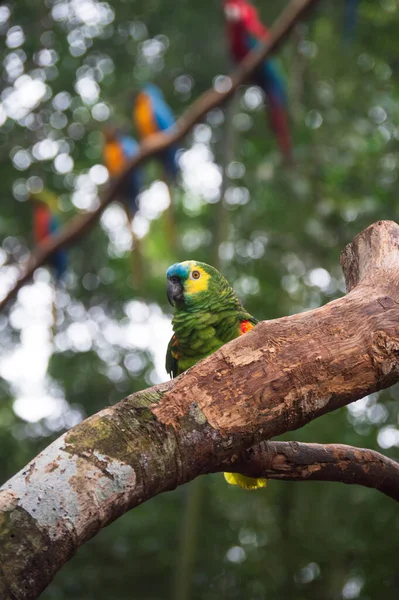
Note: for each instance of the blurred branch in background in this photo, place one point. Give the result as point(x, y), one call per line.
point(295, 461)
point(210, 99)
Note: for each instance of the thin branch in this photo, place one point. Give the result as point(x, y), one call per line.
point(209, 100)
point(294, 461)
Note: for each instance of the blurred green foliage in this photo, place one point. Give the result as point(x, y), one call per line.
point(68, 65)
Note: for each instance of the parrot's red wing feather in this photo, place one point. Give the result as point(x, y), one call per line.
point(246, 326)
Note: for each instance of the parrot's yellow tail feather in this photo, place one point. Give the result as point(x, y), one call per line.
point(244, 482)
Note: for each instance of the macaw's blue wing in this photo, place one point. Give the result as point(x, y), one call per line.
point(268, 76)
point(54, 224)
point(250, 42)
point(273, 82)
point(130, 149)
point(60, 263)
point(59, 260)
point(163, 115)
point(129, 145)
point(165, 119)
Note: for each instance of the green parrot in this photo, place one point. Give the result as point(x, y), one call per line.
point(207, 315)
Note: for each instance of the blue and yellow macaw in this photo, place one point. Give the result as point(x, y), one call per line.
point(118, 151)
point(45, 224)
point(151, 114)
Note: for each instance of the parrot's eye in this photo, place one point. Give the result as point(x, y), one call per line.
point(195, 274)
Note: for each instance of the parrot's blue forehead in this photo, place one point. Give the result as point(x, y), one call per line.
point(180, 270)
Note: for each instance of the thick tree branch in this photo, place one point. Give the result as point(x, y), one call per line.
point(294, 461)
point(276, 378)
point(80, 225)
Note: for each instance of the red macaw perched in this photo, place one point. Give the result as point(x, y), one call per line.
point(118, 150)
point(151, 114)
point(245, 31)
point(45, 224)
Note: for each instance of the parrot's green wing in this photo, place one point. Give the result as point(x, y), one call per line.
point(171, 358)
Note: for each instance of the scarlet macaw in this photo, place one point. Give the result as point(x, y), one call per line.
point(245, 31)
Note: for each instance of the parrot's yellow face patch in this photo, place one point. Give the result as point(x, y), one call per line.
point(197, 280)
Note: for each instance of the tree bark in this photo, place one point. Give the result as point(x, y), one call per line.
point(295, 461)
point(276, 378)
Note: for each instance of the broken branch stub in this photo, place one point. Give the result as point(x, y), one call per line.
point(372, 255)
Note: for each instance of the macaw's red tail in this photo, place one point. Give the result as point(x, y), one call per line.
point(278, 119)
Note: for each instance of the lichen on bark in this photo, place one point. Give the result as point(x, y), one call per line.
point(20, 539)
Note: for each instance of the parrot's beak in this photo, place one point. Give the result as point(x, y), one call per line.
point(174, 290)
point(232, 12)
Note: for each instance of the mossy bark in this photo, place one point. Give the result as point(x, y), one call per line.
point(101, 468)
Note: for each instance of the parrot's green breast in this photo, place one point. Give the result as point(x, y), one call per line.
point(197, 336)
